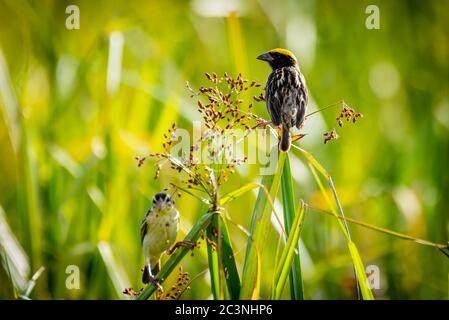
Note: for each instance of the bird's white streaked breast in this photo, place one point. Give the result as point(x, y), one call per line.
point(162, 229)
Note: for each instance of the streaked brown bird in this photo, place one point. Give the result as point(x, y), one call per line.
point(158, 232)
point(285, 93)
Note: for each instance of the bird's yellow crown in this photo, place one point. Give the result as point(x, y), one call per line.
point(284, 52)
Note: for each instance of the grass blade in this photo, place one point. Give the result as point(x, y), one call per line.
point(202, 199)
point(236, 43)
point(13, 255)
point(29, 198)
point(25, 295)
point(327, 198)
point(255, 292)
point(360, 270)
point(115, 271)
point(10, 106)
point(212, 257)
point(386, 231)
point(20, 142)
point(288, 202)
point(228, 260)
point(288, 254)
point(356, 259)
point(237, 193)
point(260, 221)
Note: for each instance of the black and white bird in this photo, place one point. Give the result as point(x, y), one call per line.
point(286, 93)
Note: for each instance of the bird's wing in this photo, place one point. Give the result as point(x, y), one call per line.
point(301, 101)
point(143, 230)
point(301, 113)
point(144, 226)
point(274, 103)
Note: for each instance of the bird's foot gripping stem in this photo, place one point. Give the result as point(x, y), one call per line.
point(262, 123)
point(183, 243)
point(148, 277)
point(155, 282)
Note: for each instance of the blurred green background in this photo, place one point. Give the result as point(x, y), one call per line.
point(79, 105)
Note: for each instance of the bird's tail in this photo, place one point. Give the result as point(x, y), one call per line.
point(146, 272)
point(285, 143)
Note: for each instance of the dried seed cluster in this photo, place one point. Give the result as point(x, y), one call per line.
point(131, 292)
point(349, 114)
point(331, 135)
point(213, 237)
point(197, 245)
point(175, 292)
point(260, 97)
point(223, 111)
point(169, 138)
point(221, 104)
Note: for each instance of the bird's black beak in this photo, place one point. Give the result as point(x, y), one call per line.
point(265, 57)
